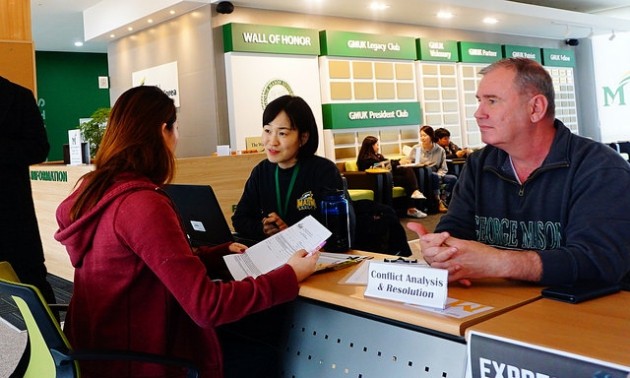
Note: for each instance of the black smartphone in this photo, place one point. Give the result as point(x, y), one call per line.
point(580, 292)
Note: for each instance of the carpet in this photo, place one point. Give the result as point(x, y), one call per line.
point(10, 313)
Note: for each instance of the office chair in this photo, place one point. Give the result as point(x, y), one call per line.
point(49, 352)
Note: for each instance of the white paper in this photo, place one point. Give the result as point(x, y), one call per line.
point(276, 250)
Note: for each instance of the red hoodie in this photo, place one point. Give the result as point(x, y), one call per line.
point(138, 287)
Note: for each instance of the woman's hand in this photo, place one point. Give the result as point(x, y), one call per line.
point(237, 247)
point(273, 224)
point(303, 263)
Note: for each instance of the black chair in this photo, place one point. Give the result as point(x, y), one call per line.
point(48, 353)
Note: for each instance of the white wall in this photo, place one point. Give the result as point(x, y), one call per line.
point(611, 60)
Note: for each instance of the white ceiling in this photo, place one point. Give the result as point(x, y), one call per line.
point(57, 24)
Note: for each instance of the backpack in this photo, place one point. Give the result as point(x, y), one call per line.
point(378, 229)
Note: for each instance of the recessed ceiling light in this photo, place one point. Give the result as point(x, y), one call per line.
point(378, 6)
point(112, 36)
point(78, 43)
point(150, 20)
point(171, 11)
point(445, 15)
point(130, 28)
point(490, 20)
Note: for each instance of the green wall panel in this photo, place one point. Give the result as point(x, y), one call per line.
point(67, 90)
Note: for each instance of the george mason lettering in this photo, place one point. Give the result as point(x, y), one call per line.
point(503, 232)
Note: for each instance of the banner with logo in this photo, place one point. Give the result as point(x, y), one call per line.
point(611, 85)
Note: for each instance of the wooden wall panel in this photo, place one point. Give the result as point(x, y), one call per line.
point(17, 63)
point(15, 20)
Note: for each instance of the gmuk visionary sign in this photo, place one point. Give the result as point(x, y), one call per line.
point(437, 50)
point(270, 39)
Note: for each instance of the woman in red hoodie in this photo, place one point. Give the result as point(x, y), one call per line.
point(138, 286)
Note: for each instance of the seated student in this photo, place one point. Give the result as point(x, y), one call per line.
point(403, 176)
point(138, 286)
point(430, 153)
point(443, 137)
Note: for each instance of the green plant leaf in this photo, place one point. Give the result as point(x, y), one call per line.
point(94, 129)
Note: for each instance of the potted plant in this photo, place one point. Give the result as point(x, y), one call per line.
point(93, 129)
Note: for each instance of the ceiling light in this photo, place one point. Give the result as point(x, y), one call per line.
point(150, 20)
point(378, 6)
point(78, 43)
point(612, 36)
point(112, 36)
point(490, 20)
point(171, 11)
point(445, 15)
point(130, 28)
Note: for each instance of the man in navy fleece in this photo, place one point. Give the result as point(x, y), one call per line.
point(538, 203)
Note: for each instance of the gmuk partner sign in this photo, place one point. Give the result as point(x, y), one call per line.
point(408, 283)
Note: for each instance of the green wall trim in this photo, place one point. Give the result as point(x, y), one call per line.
point(476, 52)
point(437, 50)
point(270, 39)
point(513, 51)
point(67, 90)
point(362, 45)
point(381, 114)
point(558, 58)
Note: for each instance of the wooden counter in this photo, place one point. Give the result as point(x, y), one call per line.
point(52, 183)
point(501, 295)
point(598, 328)
point(334, 328)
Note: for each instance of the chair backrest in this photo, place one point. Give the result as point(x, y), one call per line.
point(7, 272)
point(48, 345)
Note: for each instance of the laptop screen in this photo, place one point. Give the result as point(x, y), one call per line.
point(200, 213)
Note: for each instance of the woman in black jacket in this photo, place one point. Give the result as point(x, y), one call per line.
point(403, 176)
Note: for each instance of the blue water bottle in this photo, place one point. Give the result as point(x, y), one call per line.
point(335, 216)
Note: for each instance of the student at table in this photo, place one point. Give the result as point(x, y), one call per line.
point(538, 203)
point(443, 138)
point(405, 177)
point(430, 154)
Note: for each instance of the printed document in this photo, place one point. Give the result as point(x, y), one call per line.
point(276, 250)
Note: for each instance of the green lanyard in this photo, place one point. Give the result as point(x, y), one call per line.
point(283, 210)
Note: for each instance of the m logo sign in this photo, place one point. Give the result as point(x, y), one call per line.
point(616, 96)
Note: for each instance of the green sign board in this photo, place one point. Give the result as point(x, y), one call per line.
point(270, 39)
point(511, 51)
point(431, 49)
point(558, 58)
point(367, 45)
point(381, 114)
point(475, 52)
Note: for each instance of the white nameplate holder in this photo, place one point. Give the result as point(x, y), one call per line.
point(408, 282)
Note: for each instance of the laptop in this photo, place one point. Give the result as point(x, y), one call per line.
point(200, 213)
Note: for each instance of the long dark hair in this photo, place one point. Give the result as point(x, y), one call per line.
point(429, 131)
point(301, 117)
point(133, 143)
point(367, 149)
